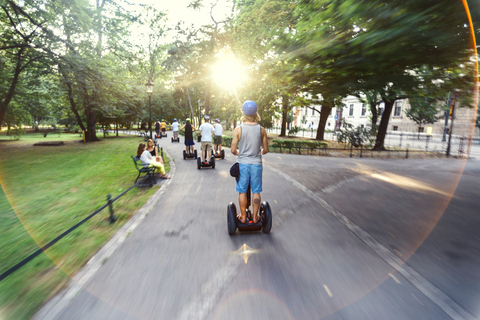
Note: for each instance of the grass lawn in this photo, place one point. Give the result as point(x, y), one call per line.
point(44, 191)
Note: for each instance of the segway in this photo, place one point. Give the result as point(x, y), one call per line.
point(189, 155)
point(201, 164)
point(219, 155)
point(163, 134)
point(264, 224)
point(177, 139)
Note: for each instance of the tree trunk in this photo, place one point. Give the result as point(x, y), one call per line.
point(382, 129)
point(285, 107)
point(72, 101)
point(190, 104)
point(13, 85)
point(373, 108)
point(91, 134)
point(324, 113)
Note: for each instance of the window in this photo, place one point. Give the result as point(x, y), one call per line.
point(350, 111)
point(420, 129)
point(362, 126)
point(398, 109)
point(395, 128)
point(328, 125)
point(364, 110)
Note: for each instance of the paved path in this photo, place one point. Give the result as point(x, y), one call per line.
point(351, 239)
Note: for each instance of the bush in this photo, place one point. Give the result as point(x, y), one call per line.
point(293, 144)
point(227, 141)
point(15, 133)
point(293, 130)
point(356, 136)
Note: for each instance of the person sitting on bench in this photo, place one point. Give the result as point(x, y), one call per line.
point(149, 161)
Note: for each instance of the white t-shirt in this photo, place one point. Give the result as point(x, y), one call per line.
point(206, 129)
point(218, 129)
point(175, 126)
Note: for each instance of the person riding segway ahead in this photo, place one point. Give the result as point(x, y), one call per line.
point(157, 129)
point(217, 140)
point(206, 130)
point(252, 141)
point(163, 125)
point(175, 125)
point(189, 129)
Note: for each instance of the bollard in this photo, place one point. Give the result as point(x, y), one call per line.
point(110, 207)
point(406, 154)
point(351, 148)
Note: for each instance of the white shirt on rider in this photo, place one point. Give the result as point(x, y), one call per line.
point(206, 129)
point(218, 129)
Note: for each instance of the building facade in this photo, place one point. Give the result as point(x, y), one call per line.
point(358, 114)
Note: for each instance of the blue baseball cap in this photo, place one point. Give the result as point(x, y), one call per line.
point(249, 108)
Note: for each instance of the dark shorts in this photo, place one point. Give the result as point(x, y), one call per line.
point(217, 139)
point(189, 142)
point(163, 129)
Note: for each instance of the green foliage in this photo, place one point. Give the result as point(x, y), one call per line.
point(16, 133)
point(293, 130)
point(292, 144)
point(423, 110)
point(227, 141)
point(355, 136)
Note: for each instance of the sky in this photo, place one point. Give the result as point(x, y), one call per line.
point(177, 10)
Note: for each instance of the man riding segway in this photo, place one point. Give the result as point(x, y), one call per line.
point(253, 144)
point(206, 129)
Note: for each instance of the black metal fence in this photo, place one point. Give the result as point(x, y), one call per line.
point(402, 141)
point(31, 256)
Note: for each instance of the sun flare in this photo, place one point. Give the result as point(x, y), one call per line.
point(229, 73)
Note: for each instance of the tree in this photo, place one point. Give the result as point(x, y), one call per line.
point(364, 45)
point(257, 27)
point(422, 111)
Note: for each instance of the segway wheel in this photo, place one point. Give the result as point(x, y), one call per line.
point(223, 154)
point(266, 214)
point(195, 153)
point(199, 163)
point(231, 217)
point(213, 162)
point(184, 155)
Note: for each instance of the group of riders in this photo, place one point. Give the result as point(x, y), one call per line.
point(253, 145)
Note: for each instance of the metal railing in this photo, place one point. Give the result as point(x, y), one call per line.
point(31, 256)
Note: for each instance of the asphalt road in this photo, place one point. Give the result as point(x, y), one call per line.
point(351, 239)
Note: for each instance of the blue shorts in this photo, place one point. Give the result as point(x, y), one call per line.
point(250, 173)
point(189, 142)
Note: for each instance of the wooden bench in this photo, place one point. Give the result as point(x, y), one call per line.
point(149, 172)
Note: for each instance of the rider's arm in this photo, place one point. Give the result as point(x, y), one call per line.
point(264, 141)
point(235, 139)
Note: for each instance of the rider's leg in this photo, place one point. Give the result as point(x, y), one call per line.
point(203, 148)
point(257, 199)
point(256, 184)
point(209, 151)
point(242, 202)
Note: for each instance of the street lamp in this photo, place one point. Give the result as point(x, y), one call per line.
point(149, 86)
